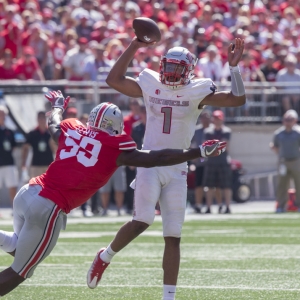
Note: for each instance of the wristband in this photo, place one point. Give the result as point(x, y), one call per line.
point(234, 69)
point(237, 85)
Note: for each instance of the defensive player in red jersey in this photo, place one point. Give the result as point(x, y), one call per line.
point(85, 160)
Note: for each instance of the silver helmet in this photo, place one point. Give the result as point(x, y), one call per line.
point(176, 67)
point(106, 117)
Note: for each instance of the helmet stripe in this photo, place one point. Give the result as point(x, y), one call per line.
point(101, 114)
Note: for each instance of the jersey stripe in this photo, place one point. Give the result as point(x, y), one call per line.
point(101, 113)
point(125, 143)
point(43, 244)
point(128, 148)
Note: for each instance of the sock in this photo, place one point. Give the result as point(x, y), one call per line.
point(169, 292)
point(8, 241)
point(107, 254)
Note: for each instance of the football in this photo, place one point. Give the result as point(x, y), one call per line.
point(146, 30)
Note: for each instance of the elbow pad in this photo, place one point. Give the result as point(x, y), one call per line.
point(237, 85)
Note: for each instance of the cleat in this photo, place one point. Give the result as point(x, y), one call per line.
point(96, 270)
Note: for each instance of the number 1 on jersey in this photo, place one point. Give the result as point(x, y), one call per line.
point(167, 111)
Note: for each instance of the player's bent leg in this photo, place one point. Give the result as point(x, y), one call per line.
point(147, 189)
point(9, 280)
point(124, 236)
point(39, 234)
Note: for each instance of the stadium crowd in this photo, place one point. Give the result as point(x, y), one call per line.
point(75, 39)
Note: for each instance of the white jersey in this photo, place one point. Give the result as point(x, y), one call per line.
point(171, 113)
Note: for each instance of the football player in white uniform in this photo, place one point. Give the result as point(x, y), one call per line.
point(173, 101)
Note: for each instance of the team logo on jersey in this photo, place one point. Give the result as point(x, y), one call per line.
point(157, 92)
point(184, 173)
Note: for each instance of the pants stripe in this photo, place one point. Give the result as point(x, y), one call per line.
point(44, 243)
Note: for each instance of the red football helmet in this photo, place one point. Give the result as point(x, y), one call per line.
point(176, 67)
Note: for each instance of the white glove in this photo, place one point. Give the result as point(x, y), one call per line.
point(212, 148)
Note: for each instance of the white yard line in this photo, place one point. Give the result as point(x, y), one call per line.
point(159, 286)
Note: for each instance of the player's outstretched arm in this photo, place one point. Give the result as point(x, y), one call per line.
point(59, 104)
point(116, 77)
point(168, 157)
point(237, 96)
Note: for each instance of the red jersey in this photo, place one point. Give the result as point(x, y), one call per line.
point(7, 73)
point(58, 51)
point(85, 160)
point(28, 70)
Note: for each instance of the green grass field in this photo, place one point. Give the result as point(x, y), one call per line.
point(245, 256)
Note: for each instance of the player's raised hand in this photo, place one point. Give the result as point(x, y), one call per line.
point(212, 148)
point(235, 52)
point(57, 99)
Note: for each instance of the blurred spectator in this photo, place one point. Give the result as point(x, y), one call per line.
point(96, 67)
point(28, 19)
point(211, 65)
point(154, 63)
point(84, 28)
point(134, 115)
point(70, 39)
point(87, 6)
point(58, 50)
point(135, 105)
point(9, 36)
point(289, 74)
point(218, 28)
point(74, 60)
point(187, 25)
point(205, 20)
point(249, 69)
point(279, 64)
point(139, 127)
point(201, 42)
point(28, 67)
point(113, 50)
point(271, 27)
point(46, 24)
point(42, 146)
point(7, 67)
point(99, 33)
point(267, 68)
point(286, 144)
point(37, 40)
point(217, 174)
point(118, 183)
point(8, 170)
point(138, 61)
point(71, 112)
point(198, 139)
point(230, 17)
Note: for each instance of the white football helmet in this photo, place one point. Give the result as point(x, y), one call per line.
point(176, 67)
point(106, 117)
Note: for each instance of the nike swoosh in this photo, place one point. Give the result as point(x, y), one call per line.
point(172, 292)
point(179, 96)
point(207, 153)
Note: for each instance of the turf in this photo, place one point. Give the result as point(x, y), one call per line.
point(242, 256)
